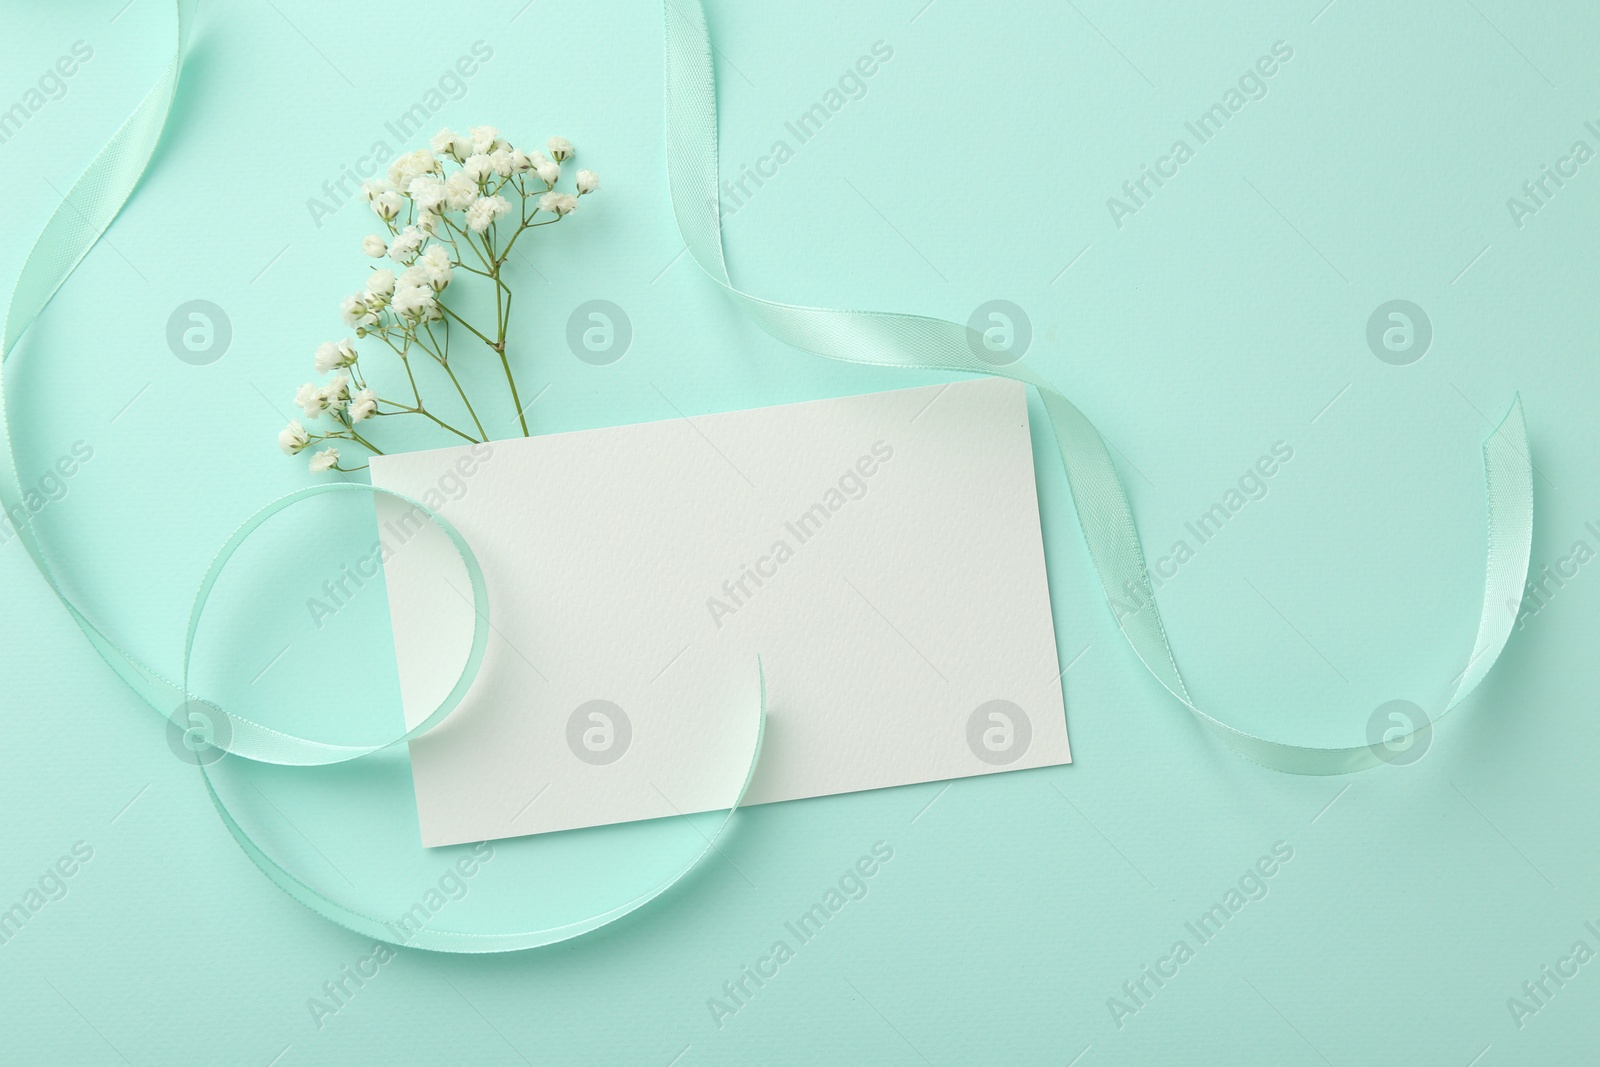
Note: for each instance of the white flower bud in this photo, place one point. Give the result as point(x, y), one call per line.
point(293, 437)
point(588, 182)
point(436, 266)
point(484, 210)
point(477, 167)
point(380, 283)
point(363, 404)
point(483, 139)
point(333, 355)
point(560, 203)
point(560, 148)
point(336, 394)
point(387, 205)
point(426, 191)
point(403, 249)
point(459, 191)
point(309, 399)
point(446, 142)
point(374, 246)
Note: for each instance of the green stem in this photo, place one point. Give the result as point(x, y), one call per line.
point(505, 319)
point(425, 413)
point(446, 309)
point(475, 421)
point(363, 441)
point(526, 226)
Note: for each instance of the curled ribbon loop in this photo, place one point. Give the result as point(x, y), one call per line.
point(876, 338)
point(916, 341)
point(263, 744)
point(78, 222)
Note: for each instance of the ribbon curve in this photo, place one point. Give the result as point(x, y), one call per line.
point(875, 338)
point(72, 230)
point(915, 341)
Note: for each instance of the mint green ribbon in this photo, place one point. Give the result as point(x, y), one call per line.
point(875, 338)
point(915, 341)
point(78, 222)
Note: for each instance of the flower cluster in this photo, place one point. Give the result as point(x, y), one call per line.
point(458, 205)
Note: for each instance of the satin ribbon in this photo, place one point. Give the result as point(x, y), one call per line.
point(78, 222)
point(876, 338)
point(915, 341)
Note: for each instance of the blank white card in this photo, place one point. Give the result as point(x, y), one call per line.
point(881, 554)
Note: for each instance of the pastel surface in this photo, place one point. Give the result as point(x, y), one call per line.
point(1229, 313)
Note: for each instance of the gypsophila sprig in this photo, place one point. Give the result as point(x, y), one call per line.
point(450, 212)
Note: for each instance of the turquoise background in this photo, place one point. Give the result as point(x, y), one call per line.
point(1227, 314)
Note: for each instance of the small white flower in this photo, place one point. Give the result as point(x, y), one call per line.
point(560, 203)
point(293, 437)
point(560, 148)
point(387, 205)
point(327, 459)
point(428, 223)
point(436, 262)
point(373, 246)
point(336, 394)
point(332, 355)
point(588, 182)
point(548, 172)
point(356, 312)
point(485, 210)
point(415, 302)
point(460, 190)
point(408, 166)
point(500, 160)
point(371, 189)
point(521, 162)
point(309, 399)
point(447, 143)
point(426, 191)
point(403, 249)
point(363, 404)
point(483, 138)
point(477, 167)
point(381, 282)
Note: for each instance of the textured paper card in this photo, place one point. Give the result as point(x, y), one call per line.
point(880, 553)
